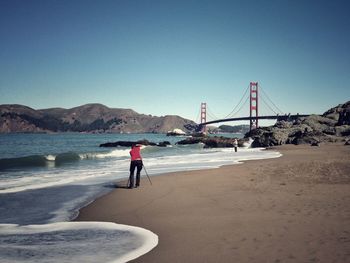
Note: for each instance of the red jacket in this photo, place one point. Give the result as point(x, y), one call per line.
point(135, 153)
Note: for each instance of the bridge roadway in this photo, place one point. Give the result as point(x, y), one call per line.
point(272, 117)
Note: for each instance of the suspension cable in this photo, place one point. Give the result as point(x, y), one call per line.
point(268, 105)
point(210, 114)
point(231, 113)
point(198, 117)
point(278, 109)
point(245, 102)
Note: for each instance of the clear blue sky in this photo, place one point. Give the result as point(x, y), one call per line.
point(166, 57)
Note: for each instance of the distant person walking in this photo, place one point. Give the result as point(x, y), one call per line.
point(235, 144)
point(136, 162)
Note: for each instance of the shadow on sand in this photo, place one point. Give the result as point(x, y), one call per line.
point(117, 185)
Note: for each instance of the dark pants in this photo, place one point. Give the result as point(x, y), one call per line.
point(135, 164)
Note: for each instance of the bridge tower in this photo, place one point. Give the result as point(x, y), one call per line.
point(253, 105)
point(204, 116)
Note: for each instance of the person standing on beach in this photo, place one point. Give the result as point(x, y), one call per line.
point(235, 144)
point(136, 162)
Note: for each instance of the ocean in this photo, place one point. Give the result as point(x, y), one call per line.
point(46, 178)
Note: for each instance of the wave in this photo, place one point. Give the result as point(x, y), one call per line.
point(38, 160)
point(52, 160)
point(101, 155)
point(122, 152)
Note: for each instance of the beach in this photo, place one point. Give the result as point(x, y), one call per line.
point(295, 208)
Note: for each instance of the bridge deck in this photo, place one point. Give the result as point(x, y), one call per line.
point(272, 117)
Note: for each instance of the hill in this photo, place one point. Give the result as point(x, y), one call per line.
point(86, 118)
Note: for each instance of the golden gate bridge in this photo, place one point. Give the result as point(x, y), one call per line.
point(255, 98)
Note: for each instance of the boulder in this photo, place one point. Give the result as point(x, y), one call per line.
point(163, 144)
point(318, 123)
point(315, 143)
point(217, 143)
point(176, 132)
point(283, 124)
point(343, 130)
point(344, 114)
point(130, 143)
point(190, 140)
point(211, 142)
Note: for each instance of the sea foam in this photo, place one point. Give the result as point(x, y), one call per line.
point(114, 153)
point(74, 242)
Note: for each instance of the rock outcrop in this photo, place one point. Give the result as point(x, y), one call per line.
point(214, 142)
point(130, 143)
point(176, 132)
point(332, 126)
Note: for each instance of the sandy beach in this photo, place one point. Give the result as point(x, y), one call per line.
point(295, 208)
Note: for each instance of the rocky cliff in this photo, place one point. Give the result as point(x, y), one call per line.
point(86, 118)
point(332, 126)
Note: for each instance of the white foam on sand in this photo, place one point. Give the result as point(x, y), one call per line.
point(207, 159)
point(62, 242)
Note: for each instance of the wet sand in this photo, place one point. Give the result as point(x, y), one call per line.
point(295, 208)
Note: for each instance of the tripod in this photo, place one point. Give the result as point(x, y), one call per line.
point(149, 179)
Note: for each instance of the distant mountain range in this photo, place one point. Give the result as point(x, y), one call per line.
point(92, 118)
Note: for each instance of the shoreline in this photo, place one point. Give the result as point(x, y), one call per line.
point(295, 208)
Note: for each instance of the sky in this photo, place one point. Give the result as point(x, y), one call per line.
point(166, 57)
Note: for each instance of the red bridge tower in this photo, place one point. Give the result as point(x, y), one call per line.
point(253, 105)
point(204, 116)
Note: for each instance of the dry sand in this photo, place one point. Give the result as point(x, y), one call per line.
point(295, 208)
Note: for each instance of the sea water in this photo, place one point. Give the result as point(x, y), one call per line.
point(46, 178)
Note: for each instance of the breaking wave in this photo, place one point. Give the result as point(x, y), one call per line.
point(57, 160)
point(38, 160)
point(100, 155)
